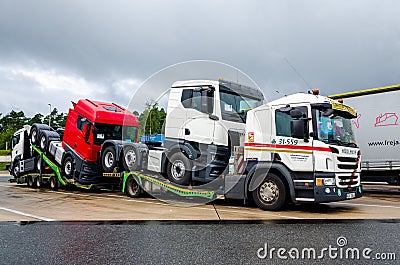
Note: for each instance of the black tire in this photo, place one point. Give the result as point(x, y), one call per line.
point(16, 172)
point(68, 167)
point(45, 138)
point(39, 164)
point(109, 159)
point(36, 129)
point(34, 135)
point(132, 188)
point(54, 183)
point(43, 142)
point(179, 169)
point(270, 194)
point(29, 181)
point(130, 158)
point(38, 182)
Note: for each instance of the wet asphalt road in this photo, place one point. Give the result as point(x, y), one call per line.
point(194, 243)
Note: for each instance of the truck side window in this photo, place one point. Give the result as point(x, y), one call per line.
point(15, 140)
point(186, 98)
point(191, 99)
point(79, 123)
point(282, 121)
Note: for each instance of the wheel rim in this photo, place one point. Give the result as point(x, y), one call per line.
point(33, 136)
point(39, 164)
point(16, 170)
point(68, 168)
point(42, 142)
point(269, 191)
point(178, 169)
point(52, 183)
point(130, 158)
point(134, 187)
point(109, 159)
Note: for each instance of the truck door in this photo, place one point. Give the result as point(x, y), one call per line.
point(16, 146)
point(291, 142)
point(81, 142)
point(200, 122)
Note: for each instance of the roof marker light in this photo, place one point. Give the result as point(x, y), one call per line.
point(315, 91)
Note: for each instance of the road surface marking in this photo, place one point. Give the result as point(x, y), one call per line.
point(157, 202)
point(367, 205)
point(27, 214)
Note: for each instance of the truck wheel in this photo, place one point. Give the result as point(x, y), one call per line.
point(130, 158)
point(132, 188)
point(45, 138)
point(43, 143)
point(68, 167)
point(178, 169)
point(38, 182)
point(16, 170)
point(54, 184)
point(271, 194)
point(34, 134)
point(108, 159)
point(39, 164)
point(29, 181)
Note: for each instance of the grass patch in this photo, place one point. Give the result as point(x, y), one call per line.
point(3, 165)
point(5, 152)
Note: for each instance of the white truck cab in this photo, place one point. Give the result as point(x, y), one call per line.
point(308, 141)
point(201, 116)
point(20, 151)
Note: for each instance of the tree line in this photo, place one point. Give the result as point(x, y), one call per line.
point(14, 121)
point(151, 121)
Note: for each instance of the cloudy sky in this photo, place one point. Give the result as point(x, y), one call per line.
point(58, 51)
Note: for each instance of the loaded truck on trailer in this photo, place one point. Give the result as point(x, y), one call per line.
point(90, 145)
point(377, 131)
point(299, 148)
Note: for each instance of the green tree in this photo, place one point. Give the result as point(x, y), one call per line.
point(38, 118)
point(152, 119)
point(10, 123)
point(57, 119)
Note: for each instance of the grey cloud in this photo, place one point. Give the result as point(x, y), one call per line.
point(336, 46)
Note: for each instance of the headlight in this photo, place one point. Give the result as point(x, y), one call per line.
point(329, 181)
point(325, 181)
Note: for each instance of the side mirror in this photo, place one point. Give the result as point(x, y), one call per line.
point(207, 97)
point(328, 112)
point(87, 134)
point(296, 114)
point(299, 129)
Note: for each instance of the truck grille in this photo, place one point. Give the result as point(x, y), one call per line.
point(348, 166)
point(347, 159)
point(345, 181)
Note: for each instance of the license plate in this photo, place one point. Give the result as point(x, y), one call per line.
point(350, 195)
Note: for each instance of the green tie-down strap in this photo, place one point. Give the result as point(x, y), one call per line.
point(170, 187)
point(53, 166)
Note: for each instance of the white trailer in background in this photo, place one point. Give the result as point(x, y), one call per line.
point(377, 129)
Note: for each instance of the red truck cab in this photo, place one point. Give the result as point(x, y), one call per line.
point(91, 123)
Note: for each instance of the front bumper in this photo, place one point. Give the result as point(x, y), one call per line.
point(333, 193)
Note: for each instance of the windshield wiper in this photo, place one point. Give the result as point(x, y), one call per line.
point(336, 141)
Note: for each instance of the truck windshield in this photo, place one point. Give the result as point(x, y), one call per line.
point(334, 129)
point(234, 107)
point(104, 132)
